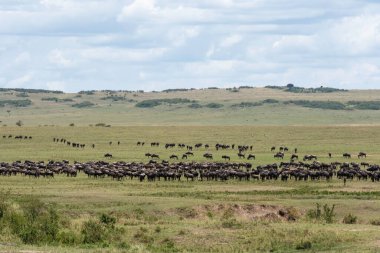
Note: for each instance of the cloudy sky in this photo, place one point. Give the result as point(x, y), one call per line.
point(76, 45)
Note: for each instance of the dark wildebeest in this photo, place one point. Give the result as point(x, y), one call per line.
point(174, 157)
point(184, 156)
point(155, 156)
point(240, 155)
point(362, 155)
point(273, 149)
point(226, 157)
point(108, 155)
point(250, 156)
point(279, 155)
point(346, 155)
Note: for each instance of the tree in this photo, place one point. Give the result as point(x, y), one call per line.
point(19, 123)
point(290, 86)
point(9, 112)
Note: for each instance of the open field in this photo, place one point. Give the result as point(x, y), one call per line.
point(123, 111)
point(230, 216)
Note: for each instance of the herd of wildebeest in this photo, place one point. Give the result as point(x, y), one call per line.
point(307, 168)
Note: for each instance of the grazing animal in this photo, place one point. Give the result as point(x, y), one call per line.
point(250, 157)
point(108, 155)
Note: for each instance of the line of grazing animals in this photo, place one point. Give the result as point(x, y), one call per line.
point(18, 137)
point(206, 171)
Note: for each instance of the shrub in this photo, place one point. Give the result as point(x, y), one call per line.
point(195, 106)
point(375, 222)
point(156, 102)
point(214, 105)
point(303, 245)
point(327, 214)
point(247, 104)
point(36, 223)
point(350, 219)
point(16, 103)
point(270, 101)
point(107, 220)
point(93, 232)
point(22, 95)
point(327, 105)
point(83, 104)
point(72, 124)
point(365, 105)
point(19, 123)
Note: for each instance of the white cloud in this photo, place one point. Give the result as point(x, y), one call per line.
point(20, 81)
point(57, 57)
point(95, 44)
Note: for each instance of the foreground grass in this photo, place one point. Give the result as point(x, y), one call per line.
point(197, 217)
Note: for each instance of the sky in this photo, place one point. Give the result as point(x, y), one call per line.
point(73, 45)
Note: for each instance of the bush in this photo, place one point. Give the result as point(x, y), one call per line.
point(72, 124)
point(16, 103)
point(329, 105)
point(247, 104)
point(107, 220)
point(195, 106)
point(93, 232)
point(375, 222)
point(83, 104)
point(214, 105)
point(19, 123)
point(303, 245)
point(365, 105)
point(156, 102)
point(327, 214)
point(22, 95)
point(55, 99)
point(350, 219)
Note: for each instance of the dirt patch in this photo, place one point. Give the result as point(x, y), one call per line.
point(239, 212)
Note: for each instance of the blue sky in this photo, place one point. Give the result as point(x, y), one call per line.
point(76, 45)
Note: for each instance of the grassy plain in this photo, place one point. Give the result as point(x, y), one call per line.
point(125, 113)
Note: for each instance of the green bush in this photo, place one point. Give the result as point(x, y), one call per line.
point(156, 102)
point(214, 105)
point(327, 214)
point(327, 105)
point(16, 103)
point(350, 219)
point(107, 220)
point(365, 105)
point(195, 106)
point(93, 232)
point(84, 104)
point(247, 104)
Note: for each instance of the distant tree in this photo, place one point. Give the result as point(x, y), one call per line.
point(19, 123)
point(290, 86)
point(9, 112)
point(72, 124)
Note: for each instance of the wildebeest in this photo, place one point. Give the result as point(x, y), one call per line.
point(108, 155)
point(346, 155)
point(362, 154)
point(251, 156)
point(279, 155)
point(226, 157)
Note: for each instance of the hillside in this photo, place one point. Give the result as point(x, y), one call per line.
point(245, 106)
